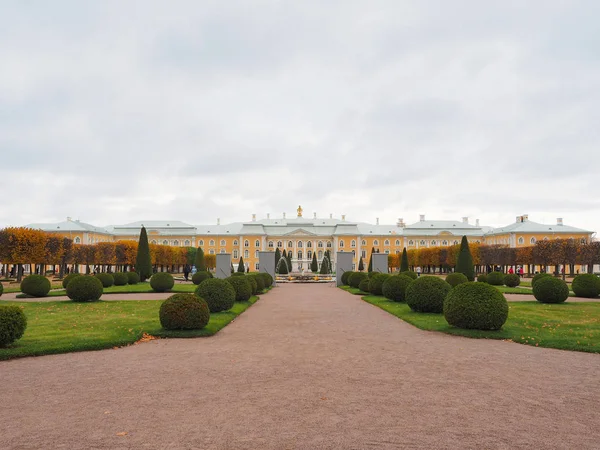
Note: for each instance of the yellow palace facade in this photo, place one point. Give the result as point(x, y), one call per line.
point(304, 236)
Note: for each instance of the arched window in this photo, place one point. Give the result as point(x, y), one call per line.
point(477, 242)
point(583, 241)
point(256, 253)
point(246, 254)
point(165, 242)
point(363, 242)
point(455, 243)
point(290, 244)
point(397, 242)
point(320, 255)
point(270, 244)
point(211, 252)
point(77, 240)
point(387, 252)
point(532, 240)
point(445, 243)
point(235, 254)
point(186, 243)
point(386, 243)
point(246, 243)
point(397, 252)
point(411, 243)
point(201, 244)
point(153, 242)
point(309, 254)
point(341, 245)
point(257, 243)
point(320, 244)
point(545, 238)
point(279, 244)
point(328, 244)
point(432, 242)
point(375, 242)
point(222, 250)
point(299, 255)
point(353, 243)
point(211, 243)
point(521, 240)
point(235, 242)
point(309, 244)
point(299, 244)
point(176, 243)
point(422, 242)
point(222, 242)
point(354, 253)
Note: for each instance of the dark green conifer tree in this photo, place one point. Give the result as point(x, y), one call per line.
point(241, 267)
point(143, 263)
point(361, 265)
point(289, 261)
point(199, 261)
point(277, 256)
point(370, 269)
point(404, 262)
point(314, 265)
point(464, 262)
point(325, 265)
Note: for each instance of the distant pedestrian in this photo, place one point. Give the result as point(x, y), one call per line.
point(186, 272)
point(194, 270)
point(510, 270)
point(418, 271)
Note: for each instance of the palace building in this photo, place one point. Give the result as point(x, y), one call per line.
point(304, 236)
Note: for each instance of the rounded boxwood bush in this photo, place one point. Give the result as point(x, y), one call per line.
point(242, 287)
point(253, 284)
point(476, 306)
point(394, 288)
point(199, 277)
point(550, 290)
point(356, 277)
point(218, 294)
point(586, 285)
point(482, 278)
point(364, 285)
point(267, 278)
point(346, 278)
point(456, 278)
point(162, 281)
point(68, 278)
point(409, 273)
point(184, 312)
point(512, 280)
point(12, 324)
point(238, 274)
point(376, 283)
point(106, 279)
point(35, 285)
point(84, 289)
point(133, 278)
point(539, 276)
point(121, 279)
point(495, 278)
point(260, 282)
point(427, 294)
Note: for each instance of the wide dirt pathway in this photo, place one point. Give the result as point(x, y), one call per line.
point(307, 367)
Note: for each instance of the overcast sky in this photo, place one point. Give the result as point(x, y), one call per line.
point(116, 111)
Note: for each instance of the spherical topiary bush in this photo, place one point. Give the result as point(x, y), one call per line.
point(376, 283)
point(539, 276)
point(454, 279)
point(84, 289)
point(121, 279)
point(106, 279)
point(355, 278)
point(133, 278)
point(35, 285)
point(260, 282)
point(218, 294)
point(253, 284)
point(238, 274)
point(495, 278)
point(12, 324)
point(550, 290)
point(427, 294)
point(242, 287)
point(199, 277)
point(184, 312)
point(162, 281)
point(394, 288)
point(364, 285)
point(586, 285)
point(482, 278)
point(66, 280)
point(346, 278)
point(512, 280)
point(409, 273)
point(268, 279)
point(477, 306)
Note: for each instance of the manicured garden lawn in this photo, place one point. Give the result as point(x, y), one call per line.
point(353, 290)
point(567, 326)
point(140, 288)
point(61, 327)
point(514, 290)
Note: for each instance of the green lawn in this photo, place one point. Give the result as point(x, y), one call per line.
point(62, 327)
point(514, 290)
point(353, 290)
point(567, 326)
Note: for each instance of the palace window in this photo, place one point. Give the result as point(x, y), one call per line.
point(363, 242)
point(176, 243)
point(309, 254)
point(386, 243)
point(545, 238)
point(246, 243)
point(521, 241)
point(477, 242)
point(257, 243)
point(353, 244)
point(290, 244)
point(222, 250)
point(432, 242)
point(222, 242)
point(320, 244)
point(397, 242)
point(363, 253)
point(397, 252)
point(299, 244)
point(200, 244)
point(256, 254)
point(532, 240)
point(341, 245)
point(455, 243)
point(211, 252)
point(411, 243)
point(422, 242)
point(77, 240)
point(256, 267)
point(320, 254)
point(375, 242)
point(235, 254)
point(309, 244)
point(299, 255)
point(387, 252)
point(270, 244)
point(279, 244)
point(445, 243)
point(353, 253)
point(165, 242)
point(246, 254)
point(235, 242)
point(328, 244)
point(211, 243)
point(186, 243)
point(583, 240)
point(153, 241)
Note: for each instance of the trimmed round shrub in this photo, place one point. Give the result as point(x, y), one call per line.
point(1, 289)
point(586, 285)
point(260, 282)
point(242, 287)
point(106, 279)
point(253, 284)
point(199, 277)
point(121, 278)
point(84, 289)
point(376, 283)
point(133, 278)
point(346, 278)
point(427, 294)
point(238, 274)
point(539, 276)
point(495, 278)
point(454, 279)
point(162, 281)
point(409, 273)
point(482, 278)
point(394, 288)
point(476, 306)
point(356, 277)
point(184, 312)
point(512, 280)
point(35, 285)
point(12, 324)
point(68, 278)
point(364, 285)
point(550, 290)
point(268, 279)
point(218, 294)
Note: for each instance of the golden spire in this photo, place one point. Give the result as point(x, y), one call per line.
point(299, 211)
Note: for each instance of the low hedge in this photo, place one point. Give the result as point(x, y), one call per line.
point(477, 306)
point(394, 288)
point(68, 278)
point(106, 279)
point(162, 281)
point(12, 324)
point(495, 278)
point(482, 278)
point(242, 287)
point(586, 285)
point(364, 285)
point(346, 277)
point(199, 277)
point(376, 283)
point(456, 278)
point(35, 285)
point(133, 278)
point(84, 289)
point(512, 280)
point(356, 277)
point(121, 279)
point(218, 294)
point(427, 294)
point(550, 290)
point(184, 312)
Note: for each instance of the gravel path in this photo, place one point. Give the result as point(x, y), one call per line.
point(307, 367)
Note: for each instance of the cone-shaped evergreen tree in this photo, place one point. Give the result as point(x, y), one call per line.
point(289, 261)
point(464, 262)
point(281, 267)
point(199, 260)
point(361, 265)
point(241, 267)
point(325, 265)
point(370, 269)
point(404, 262)
point(314, 265)
point(143, 263)
point(277, 256)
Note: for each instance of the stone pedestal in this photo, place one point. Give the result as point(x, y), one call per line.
point(223, 265)
point(380, 262)
point(343, 264)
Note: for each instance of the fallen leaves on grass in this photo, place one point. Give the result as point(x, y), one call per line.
point(146, 338)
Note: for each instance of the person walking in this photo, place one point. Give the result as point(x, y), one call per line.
point(186, 272)
point(418, 270)
point(194, 270)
